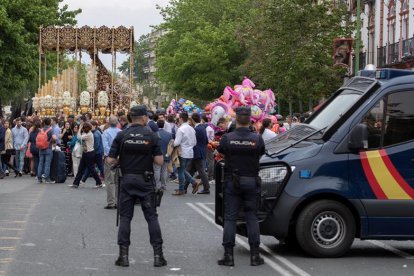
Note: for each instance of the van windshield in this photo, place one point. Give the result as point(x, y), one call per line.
point(335, 109)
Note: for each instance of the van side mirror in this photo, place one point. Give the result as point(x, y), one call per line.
point(358, 138)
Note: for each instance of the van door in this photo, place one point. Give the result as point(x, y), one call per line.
point(385, 171)
point(274, 177)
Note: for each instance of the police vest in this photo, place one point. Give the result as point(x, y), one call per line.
point(136, 150)
point(242, 154)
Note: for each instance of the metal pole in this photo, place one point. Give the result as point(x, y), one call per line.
point(357, 37)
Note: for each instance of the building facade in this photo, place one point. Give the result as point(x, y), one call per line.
point(387, 33)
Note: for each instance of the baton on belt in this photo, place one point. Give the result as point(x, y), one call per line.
point(118, 175)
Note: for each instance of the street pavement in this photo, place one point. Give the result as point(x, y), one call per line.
point(56, 230)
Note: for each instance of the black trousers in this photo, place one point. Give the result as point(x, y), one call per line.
point(247, 197)
point(198, 165)
point(87, 161)
point(135, 187)
point(5, 159)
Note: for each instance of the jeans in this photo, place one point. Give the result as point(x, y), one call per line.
point(245, 196)
point(183, 175)
point(20, 155)
point(45, 158)
point(87, 161)
point(1, 167)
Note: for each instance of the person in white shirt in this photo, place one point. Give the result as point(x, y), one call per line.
point(266, 131)
point(186, 139)
point(210, 154)
point(167, 126)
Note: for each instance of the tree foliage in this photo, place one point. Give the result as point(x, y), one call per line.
point(19, 28)
point(202, 51)
point(290, 47)
point(140, 61)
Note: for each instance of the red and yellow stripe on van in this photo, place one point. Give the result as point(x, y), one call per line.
point(384, 179)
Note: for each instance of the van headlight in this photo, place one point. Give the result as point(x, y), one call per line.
point(272, 179)
point(273, 174)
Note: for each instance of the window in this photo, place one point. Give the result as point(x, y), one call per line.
point(373, 120)
point(399, 120)
point(391, 121)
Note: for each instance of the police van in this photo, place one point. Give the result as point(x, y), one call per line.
point(347, 172)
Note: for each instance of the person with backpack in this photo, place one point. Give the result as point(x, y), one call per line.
point(44, 141)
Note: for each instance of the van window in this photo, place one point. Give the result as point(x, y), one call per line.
point(374, 122)
point(335, 109)
point(391, 120)
point(399, 120)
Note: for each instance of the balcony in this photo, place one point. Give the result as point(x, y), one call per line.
point(407, 48)
point(393, 53)
point(396, 54)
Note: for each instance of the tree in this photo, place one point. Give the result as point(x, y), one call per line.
point(201, 52)
point(19, 28)
point(290, 48)
point(140, 61)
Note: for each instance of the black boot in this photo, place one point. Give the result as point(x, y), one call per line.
point(228, 259)
point(123, 256)
point(255, 258)
point(159, 260)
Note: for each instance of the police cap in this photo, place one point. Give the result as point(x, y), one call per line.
point(138, 110)
point(243, 111)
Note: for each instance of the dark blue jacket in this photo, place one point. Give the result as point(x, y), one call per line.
point(202, 141)
point(153, 125)
point(2, 137)
point(32, 139)
point(97, 142)
point(165, 138)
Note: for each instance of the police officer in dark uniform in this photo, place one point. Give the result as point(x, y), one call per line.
point(137, 148)
point(242, 150)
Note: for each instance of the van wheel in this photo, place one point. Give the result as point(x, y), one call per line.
point(325, 228)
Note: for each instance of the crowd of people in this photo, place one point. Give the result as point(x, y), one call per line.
point(188, 143)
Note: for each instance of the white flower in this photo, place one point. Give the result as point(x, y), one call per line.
point(85, 98)
point(103, 99)
point(48, 101)
point(67, 99)
point(132, 104)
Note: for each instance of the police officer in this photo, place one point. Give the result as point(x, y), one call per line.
point(137, 148)
point(242, 150)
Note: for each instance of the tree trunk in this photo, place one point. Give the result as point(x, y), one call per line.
point(300, 106)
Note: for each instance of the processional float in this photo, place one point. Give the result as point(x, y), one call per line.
point(106, 93)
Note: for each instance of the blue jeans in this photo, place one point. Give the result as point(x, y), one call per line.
point(45, 158)
point(20, 154)
point(183, 175)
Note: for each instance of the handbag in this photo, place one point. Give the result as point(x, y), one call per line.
point(77, 150)
point(28, 152)
point(10, 152)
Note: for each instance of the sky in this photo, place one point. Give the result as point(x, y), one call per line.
point(141, 14)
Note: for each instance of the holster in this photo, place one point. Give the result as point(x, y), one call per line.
point(158, 193)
